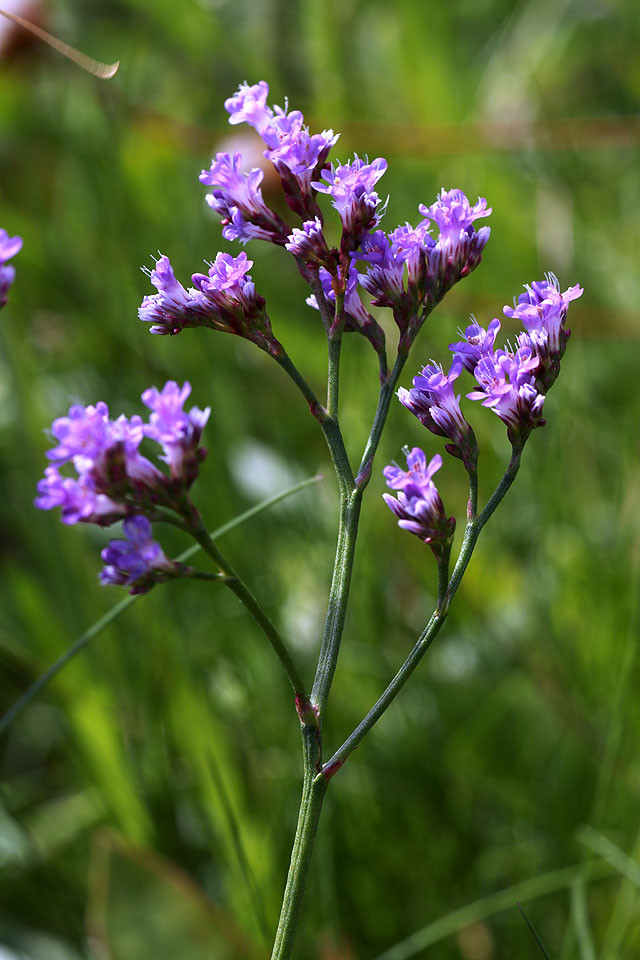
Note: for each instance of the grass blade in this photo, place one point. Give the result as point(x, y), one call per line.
point(609, 851)
point(488, 906)
point(534, 933)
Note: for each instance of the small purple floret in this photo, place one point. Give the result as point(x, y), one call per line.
point(172, 308)
point(542, 310)
point(418, 505)
point(309, 243)
point(434, 402)
point(351, 188)
point(358, 318)
point(454, 215)
point(237, 199)
point(476, 344)
point(137, 562)
point(508, 388)
point(177, 432)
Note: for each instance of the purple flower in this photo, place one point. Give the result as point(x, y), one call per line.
point(458, 249)
point(418, 505)
point(454, 215)
point(105, 450)
point(508, 387)
point(173, 308)
point(137, 562)
point(477, 342)
point(384, 276)
point(309, 243)
point(113, 479)
point(357, 318)
point(175, 430)
point(542, 309)
point(436, 405)
point(249, 105)
point(238, 200)
point(232, 301)
point(297, 155)
point(9, 246)
point(77, 499)
point(351, 187)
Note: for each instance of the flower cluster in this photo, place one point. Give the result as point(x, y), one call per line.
point(113, 479)
point(418, 505)
point(297, 155)
point(224, 299)
point(512, 383)
point(9, 246)
point(432, 264)
point(542, 310)
point(237, 199)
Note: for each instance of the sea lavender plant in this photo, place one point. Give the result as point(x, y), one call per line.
point(408, 271)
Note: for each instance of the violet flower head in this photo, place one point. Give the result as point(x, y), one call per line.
point(9, 247)
point(172, 308)
point(137, 562)
point(453, 214)
point(177, 431)
point(234, 306)
point(458, 249)
point(249, 105)
point(105, 451)
point(237, 199)
point(297, 155)
point(383, 278)
point(434, 402)
point(309, 242)
point(476, 343)
point(542, 309)
point(112, 478)
point(351, 187)
point(418, 505)
point(357, 317)
point(77, 498)
point(508, 387)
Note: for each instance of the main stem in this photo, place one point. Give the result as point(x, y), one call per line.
point(315, 782)
point(313, 791)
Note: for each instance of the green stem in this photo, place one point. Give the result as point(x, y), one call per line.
point(384, 401)
point(338, 599)
point(328, 421)
point(475, 525)
point(434, 625)
point(244, 595)
point(313, 792)
point(335, 345)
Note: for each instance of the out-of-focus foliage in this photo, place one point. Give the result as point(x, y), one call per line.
point(129, 785)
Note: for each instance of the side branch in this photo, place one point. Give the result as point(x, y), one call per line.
point(430, 632)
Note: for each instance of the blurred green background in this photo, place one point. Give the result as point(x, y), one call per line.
point(149, 795)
